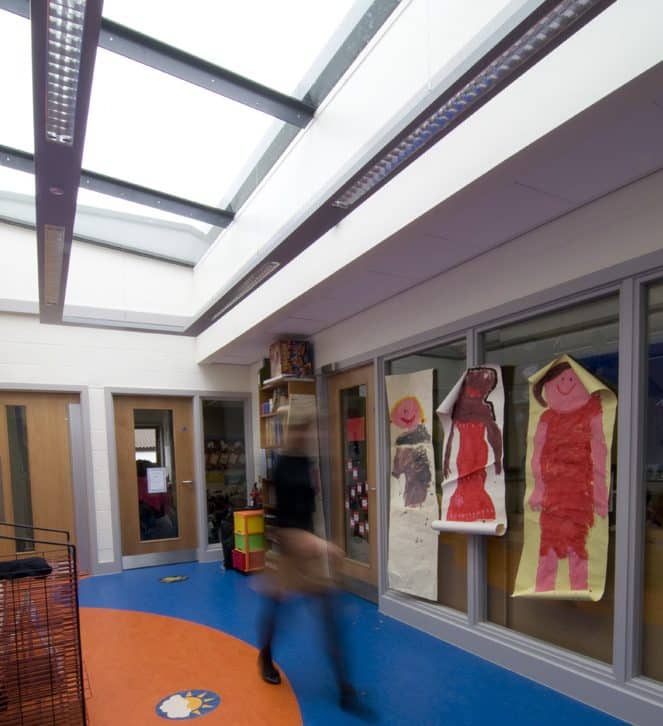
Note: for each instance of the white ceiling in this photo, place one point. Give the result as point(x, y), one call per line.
point(613, 143)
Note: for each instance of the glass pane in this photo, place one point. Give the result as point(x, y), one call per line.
point(19, 467)
point(355, 473)
point(273, 43)
point(225, 466)
point(588, 333)
point(449, 363)
point(125, 225)
point(155, 474)
point(16, 128)
point(106, 202)
point(652, 635)
point(157, 131)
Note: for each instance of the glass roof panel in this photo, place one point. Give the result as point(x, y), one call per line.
point(108, 203)
point(273, 43)
point(152, 129)
point(119, 223)
point(16, 128)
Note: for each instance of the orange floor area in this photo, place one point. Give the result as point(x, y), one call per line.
point(135, 661)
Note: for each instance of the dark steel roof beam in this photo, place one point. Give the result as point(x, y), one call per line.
point(152, 198)
point(22, 161)
point(57, 163)
point(151, 52)
point(168, 59)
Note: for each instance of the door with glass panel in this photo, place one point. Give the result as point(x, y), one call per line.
point(155, 467)
point(352, 449)
point(35, 466)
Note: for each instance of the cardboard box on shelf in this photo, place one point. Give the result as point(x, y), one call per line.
point(291, 358)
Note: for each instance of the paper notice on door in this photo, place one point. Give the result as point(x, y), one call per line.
point(157, 480)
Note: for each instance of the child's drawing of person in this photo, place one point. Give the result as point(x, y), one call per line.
point(408, 414)
point(473, 418)
point(569, 468)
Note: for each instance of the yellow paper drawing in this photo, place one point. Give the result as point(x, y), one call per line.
point(412, 559)
point(569, 439)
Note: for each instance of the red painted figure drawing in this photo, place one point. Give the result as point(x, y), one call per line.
point(473, 418)
point(568, 463)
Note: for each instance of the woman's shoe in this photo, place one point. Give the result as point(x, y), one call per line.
point(268, 670)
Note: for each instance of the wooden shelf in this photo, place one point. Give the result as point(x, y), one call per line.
point(272, 383)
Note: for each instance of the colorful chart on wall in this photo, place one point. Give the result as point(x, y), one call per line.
point(412, 543)
point(569, 439)
point(472, 417)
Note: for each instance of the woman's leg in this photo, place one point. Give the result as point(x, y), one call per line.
point(268, 670)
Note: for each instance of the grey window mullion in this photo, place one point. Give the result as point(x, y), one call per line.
point(629, 562)
point(382, 475)
point(476, 544)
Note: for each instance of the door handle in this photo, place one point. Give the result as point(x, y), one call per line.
point(188, 482)
point(372, 489)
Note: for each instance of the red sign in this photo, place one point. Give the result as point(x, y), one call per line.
point(355, 429)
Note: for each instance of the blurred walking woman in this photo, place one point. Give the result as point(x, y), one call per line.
point(303, 560)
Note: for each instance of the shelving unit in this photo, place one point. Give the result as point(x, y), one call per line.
point(274, 400)
point(274, 397)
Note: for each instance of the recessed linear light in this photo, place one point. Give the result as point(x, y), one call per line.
point(65, 39)
point(245, 287)
point(53, 263)
point(538, 37)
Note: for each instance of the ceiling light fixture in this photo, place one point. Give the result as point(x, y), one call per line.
point(244, 288)
point(53, 263)
point(65, 40)
point(495, 75)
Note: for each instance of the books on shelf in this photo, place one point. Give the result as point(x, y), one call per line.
point(278, 403)
point(274, 432)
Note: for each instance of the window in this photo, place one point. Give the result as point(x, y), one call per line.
point(448, 362)
point(652, 644)
point(589, 333)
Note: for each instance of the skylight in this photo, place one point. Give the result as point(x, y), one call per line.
point(273, 43)
point(16, 129)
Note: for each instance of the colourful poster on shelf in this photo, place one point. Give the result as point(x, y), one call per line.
point(472, 416)
point(569, 440)
point(412, 559)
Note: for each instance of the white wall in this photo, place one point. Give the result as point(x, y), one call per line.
point(102, 282)
point(114, 280)
point(18, 267)
point(621, 226)
point(35, 354)
point(555, 90)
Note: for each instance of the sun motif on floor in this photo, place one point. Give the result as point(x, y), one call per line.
point(188, 704)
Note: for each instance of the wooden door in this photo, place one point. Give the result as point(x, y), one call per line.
point(35, 466)
point(155, 466)
point(352, 447)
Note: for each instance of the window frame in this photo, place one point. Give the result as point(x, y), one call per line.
point(471, 631)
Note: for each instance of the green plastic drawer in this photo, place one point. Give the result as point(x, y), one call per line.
point(249, 543)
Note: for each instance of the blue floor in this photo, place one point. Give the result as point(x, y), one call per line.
point(405, 676)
